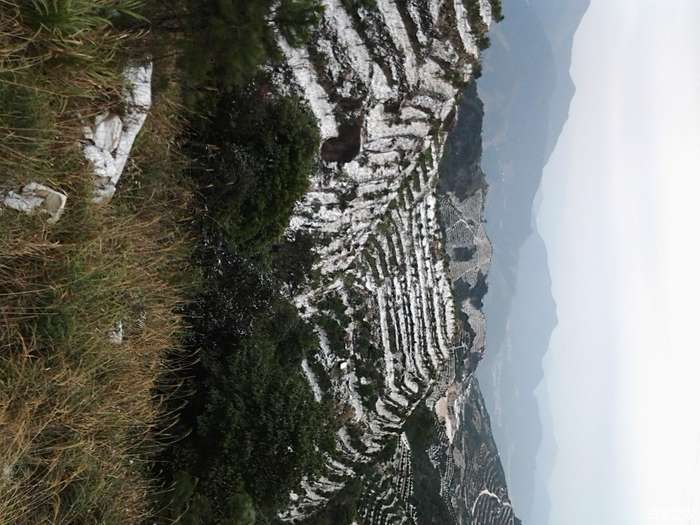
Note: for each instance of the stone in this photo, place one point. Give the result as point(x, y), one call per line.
point(34, 198)
point(108, 141)
point(116, 334)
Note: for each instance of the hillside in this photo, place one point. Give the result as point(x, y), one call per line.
point(392, 249)
point(248, 289)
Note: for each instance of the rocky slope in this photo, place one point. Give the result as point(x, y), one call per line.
point(398, 346)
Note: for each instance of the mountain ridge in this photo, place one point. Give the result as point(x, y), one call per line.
point(383, 83)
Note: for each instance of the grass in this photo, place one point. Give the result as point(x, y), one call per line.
point(81, 418)
point(60, 64)
point(77, 411)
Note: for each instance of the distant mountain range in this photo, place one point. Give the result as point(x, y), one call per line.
point(526, 90)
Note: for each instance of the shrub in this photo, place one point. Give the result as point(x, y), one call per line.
point(68, 19)
point(235, 36)
point(255, 426)
point(497, 10)
point(254, 157)
point(292, 260)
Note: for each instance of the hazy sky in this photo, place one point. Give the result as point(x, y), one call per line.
point(620, 215)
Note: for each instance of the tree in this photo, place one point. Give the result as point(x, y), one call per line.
point(292, 260)
point(255, 428)
point(254, 157)
point(223, 42)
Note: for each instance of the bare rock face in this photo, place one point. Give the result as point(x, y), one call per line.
point(383, 82)
point(35, 198)
point(108, 141)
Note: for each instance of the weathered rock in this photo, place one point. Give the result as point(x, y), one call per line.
point(107, 145)
point(109, 140)
point(116, 334)
point(35, 198)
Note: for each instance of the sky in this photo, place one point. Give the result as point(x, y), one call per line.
point(620, 215)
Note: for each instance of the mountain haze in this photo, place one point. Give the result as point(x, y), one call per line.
point(526, 89)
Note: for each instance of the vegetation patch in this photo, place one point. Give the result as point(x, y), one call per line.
point(77, 408)
point(254, 427)
point(149, 352)
point(235, 36)
point(497, 10)
point(254, 153)
point(476, 23)
point(112, 359)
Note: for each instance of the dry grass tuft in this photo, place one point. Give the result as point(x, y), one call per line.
point(78, 413)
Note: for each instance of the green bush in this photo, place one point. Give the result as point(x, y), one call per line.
point(223, 43)
point(256, 429)
point(497, 10)
point(254, 157)
point(70, 18)
point(292, 260)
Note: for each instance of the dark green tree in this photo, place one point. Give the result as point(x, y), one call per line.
point(223, 42)
point(292, 260)
point(254, 157)
point(254, 426)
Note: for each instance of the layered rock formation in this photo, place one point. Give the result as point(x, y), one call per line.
point(383, 81)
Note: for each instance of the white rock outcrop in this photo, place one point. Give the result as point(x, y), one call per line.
point(383, 83)
point(116, 334)
point(108, 141)
point(107, 144)
point(35, 198)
